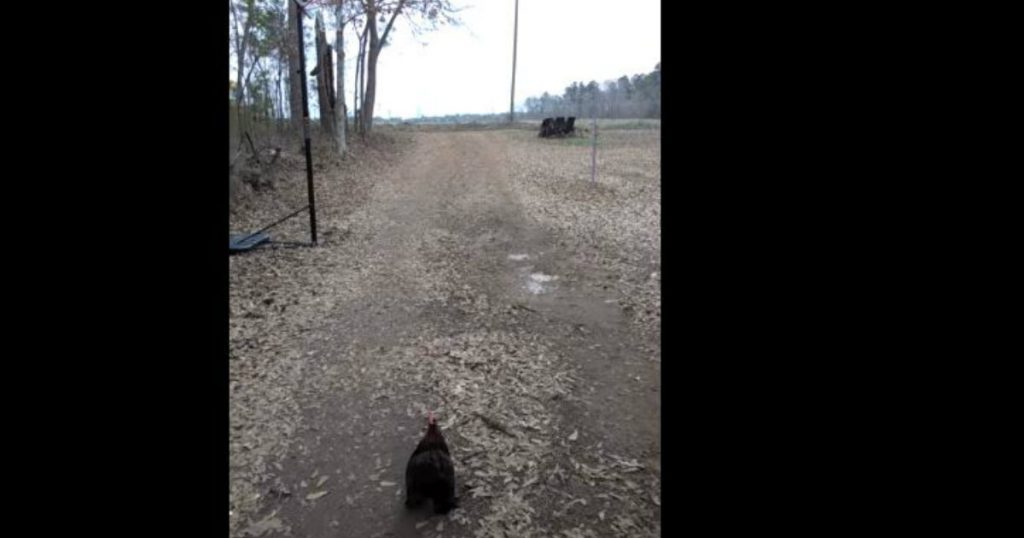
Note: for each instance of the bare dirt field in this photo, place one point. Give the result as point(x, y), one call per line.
point(478, 274)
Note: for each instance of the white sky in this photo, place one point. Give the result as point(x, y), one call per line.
point(468, 68)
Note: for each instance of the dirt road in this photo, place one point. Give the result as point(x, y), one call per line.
point(441, 286)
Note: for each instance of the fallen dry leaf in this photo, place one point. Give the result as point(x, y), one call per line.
point(316, 495)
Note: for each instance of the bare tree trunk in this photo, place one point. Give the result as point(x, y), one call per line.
point(371, 80)
point(326, 115)
point(269, 109)
point(371, 71)
point(340, 114)
point(241, 44)
point(250, 110)
point(295, 77)
point(371, 89)
point(376, 44)
point(355, 85)
point(358, 90)
point(280, 102)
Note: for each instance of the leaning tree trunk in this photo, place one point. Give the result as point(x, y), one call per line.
point(295, 75)
point(340, 114)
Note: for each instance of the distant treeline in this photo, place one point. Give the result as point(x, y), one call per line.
point(636, 97)
point(454, 118)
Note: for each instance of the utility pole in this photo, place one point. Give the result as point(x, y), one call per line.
point(515, 39)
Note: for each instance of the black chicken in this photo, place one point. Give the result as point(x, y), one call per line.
point(430, 474)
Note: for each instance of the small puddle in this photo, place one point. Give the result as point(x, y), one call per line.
point(535, 284)
point(518, 257)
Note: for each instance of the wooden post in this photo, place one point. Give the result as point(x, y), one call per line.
point(593, 156)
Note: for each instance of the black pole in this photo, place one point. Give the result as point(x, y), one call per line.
point(305, 124)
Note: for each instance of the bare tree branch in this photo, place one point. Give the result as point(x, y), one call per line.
point(394, 15)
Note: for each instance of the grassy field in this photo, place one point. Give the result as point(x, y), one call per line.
point(582, 124)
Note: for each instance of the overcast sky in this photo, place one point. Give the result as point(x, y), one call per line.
point(468, 68)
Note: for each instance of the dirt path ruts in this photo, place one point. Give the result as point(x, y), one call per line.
point(434, 243)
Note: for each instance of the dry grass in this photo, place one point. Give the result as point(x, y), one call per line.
point(613, 222)
point(280, 295)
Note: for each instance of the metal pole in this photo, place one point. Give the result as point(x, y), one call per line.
point(305, 125)
point(515, 40)
point(593, 156)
